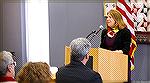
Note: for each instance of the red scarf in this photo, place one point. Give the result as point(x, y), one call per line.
point(5, 79)
point(110, 32)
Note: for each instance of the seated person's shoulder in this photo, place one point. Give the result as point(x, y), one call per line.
point(97, 76)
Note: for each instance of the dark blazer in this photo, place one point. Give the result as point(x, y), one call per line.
point(122, 40)
point(76, 72)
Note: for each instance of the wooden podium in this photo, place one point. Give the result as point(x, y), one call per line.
point(112, 66)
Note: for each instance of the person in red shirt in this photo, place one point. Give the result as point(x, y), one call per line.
point(7, 68)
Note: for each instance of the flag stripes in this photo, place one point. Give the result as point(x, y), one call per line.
point(127, 7)
point(126, 16)
point(126, 11)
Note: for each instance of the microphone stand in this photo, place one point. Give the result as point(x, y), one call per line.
point(92, 33)
point(92, 37)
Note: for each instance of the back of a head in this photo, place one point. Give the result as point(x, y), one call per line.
point(79, 48)
point(34, 72)
point(5, 60)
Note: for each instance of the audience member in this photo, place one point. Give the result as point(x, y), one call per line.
point(77, 71)
point(7, 68)
point(34, 72)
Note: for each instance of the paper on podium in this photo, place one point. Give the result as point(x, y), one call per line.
point(112, 66)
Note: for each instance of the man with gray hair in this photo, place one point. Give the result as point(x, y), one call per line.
point(7, 68)
point(77, 71)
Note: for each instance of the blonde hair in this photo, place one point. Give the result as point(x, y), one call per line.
point(34, 72)
point(117, 16)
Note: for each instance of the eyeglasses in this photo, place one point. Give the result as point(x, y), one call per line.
point(14, 63)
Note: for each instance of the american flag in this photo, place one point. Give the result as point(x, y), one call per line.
point(125, 8)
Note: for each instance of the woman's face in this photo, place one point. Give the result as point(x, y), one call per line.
point(110, 21)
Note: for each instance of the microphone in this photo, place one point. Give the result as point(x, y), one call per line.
point(100, 28)
point(95, 32)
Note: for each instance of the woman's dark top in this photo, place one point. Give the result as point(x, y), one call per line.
point(121, 41)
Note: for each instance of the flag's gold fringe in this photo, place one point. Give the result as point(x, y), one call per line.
point(132, 55)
